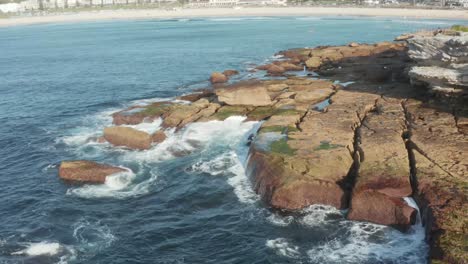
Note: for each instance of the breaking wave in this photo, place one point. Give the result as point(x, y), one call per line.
point(283, 247)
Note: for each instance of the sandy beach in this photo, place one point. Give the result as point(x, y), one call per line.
point(123, 14)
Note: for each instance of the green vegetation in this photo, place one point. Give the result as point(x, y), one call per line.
point(325, 145)
point(263, 112)
point(284, 112)
point(156, 109)
point(462, 28)
point(281, 146)
point(227, 111)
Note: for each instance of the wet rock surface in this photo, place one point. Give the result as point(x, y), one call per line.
point(85, 171)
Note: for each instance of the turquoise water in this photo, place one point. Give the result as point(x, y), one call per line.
point(60, 82)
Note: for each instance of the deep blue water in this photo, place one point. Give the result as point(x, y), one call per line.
point(60, 82)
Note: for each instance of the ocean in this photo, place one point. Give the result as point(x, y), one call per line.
point(59, 83)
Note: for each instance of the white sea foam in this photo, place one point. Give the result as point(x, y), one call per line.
point(148, 127)
point(92, 236)
point(371, 243)
point(195, 136)
point(279, 220)
point(119, 185)
point(241, 184)
point(41, 248)
point(283, 247)
point(318, 215)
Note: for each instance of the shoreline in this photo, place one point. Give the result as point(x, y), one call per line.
point(142, 14)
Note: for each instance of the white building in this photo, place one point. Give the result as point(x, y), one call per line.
point(213, 3)
point(10, 8)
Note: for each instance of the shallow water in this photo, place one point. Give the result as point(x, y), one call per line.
point(58, 85)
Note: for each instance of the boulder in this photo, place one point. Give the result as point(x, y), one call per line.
point(313, 63)
point(158, 136)
point(229, 73)
point(244, 93)
point(217, 77)
point(86, 171)
point(275, 70)
point(128, 137)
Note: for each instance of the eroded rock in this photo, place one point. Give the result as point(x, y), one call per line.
point(128, 137)
point(217, 77)
point(86, 171)
point(383, 179)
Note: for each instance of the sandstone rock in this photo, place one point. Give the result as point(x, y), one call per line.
point(443, 202)
point(384, 173)
point(438, 76)
point(158, 136)
point(196, 96)
point(302, 167)
point(301, 54)
point(313, 63)
point(128, 137)
point(229, 73)
point(137, 114)
point(245, 93)
point(289, 65)
point(217, 77)
point(182, 114)
point(275, 70)
point(439, 50)
point(86, 171)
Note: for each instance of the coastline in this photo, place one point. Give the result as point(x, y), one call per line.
point(137, 14)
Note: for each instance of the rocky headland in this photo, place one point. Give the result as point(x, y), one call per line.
point(370, 125)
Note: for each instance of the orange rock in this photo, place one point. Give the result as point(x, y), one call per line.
point(217, 77)
point(86, 171)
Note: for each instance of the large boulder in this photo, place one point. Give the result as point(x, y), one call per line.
point(217, 77)
point(86, 171)
point(246, 93)
point(128, 137)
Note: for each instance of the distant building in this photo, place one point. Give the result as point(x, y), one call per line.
point(10, 8)
point(213, 3)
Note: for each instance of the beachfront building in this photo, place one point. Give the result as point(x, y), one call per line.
point(213, 3)
point(10, 8)
point(263, 2)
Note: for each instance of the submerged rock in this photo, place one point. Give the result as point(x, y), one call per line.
point(86, 171)
point(128, 137)
point(229, 73)
point(159, 136)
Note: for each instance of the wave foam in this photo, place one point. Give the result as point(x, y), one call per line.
point(371, 243)
point(92, 236)
point(119, 185)
point(283, 248)
point(195, 136)
point(41, 248)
